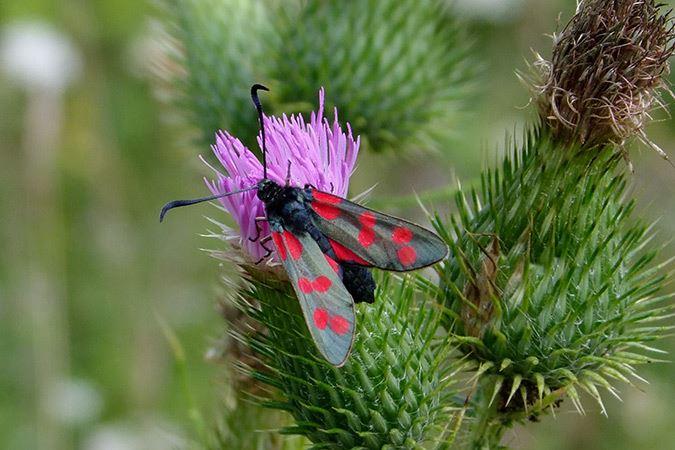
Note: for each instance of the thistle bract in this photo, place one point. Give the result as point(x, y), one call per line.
point(317, 152)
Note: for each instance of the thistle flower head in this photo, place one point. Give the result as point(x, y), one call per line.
point(319, 153)
point(605, 73)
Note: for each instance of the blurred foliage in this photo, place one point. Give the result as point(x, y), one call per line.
point(218, 47)
point(117, 161)
point(401, 82)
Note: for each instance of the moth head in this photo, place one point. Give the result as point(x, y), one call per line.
point(267, 190)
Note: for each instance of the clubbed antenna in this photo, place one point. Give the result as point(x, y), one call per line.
point(256, 101)
point(179, 203)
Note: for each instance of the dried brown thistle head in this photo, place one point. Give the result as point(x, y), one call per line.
point(606, 72)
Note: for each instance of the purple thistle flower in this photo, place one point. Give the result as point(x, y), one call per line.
point(319, 153)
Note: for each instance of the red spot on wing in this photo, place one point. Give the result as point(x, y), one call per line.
point(367, 234)
point(366, 237)
point(407, 255)
point(339, 324)
point(323, 205)
point(333, 264)
point(305, 285)
point(326, 198)
point(322, 284)
point(325, 210)
point(344, 254)
point(279, 243)
point(401, 235)
point(320, 318)
point(293, 245)
point(367, 219)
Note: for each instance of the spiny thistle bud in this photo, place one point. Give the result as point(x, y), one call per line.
point(549, 287)
point(547, 280)
point(400, 81)
point(394, 390)
point(214, 48)
point(397, 69)
point(605, 73)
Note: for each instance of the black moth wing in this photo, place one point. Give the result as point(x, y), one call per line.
point(369, 238)
point(327, 306)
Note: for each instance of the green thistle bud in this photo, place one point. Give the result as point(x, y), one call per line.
point(217, 49)
point(547, 275)
point(399, 81)
point(550, 288)
point(393, 391)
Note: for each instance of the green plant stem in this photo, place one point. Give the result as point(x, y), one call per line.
point(172, 339)
point(489, 428)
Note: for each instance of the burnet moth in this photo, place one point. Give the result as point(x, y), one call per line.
point(327, 245)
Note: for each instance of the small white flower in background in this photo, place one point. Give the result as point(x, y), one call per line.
point(37, 56)
point(489, 10)
point(144, 434)
point(112, 438)
point(74, 402)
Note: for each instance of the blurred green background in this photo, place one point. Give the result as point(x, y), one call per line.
point(89, 153)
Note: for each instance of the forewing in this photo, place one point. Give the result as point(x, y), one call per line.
point(370, 238)
point(327, 306)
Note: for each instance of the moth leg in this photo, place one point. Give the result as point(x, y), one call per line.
point(268, 251)
point(257, 228)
